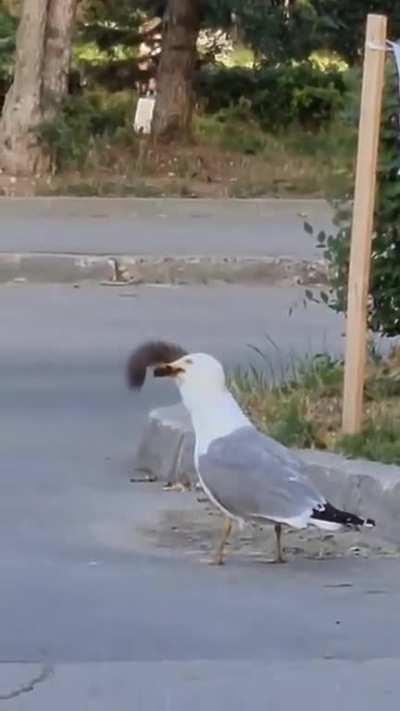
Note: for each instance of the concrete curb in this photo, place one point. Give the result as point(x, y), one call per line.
point(368, 488)
point(72, 268)
point(39, 205)
point(57, 268)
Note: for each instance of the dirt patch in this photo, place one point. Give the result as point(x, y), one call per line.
point(197, 532)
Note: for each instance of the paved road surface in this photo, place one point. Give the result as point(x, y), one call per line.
point(152, 227)
point(94, 619)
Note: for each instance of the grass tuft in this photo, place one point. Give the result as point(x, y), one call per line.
point(301, 404)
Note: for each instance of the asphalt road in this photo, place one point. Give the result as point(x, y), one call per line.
point(91, 617)
point(149, 227)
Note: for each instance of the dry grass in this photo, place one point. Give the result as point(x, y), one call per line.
point(224, 160)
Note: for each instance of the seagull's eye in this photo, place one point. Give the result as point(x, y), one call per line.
point(187, 361)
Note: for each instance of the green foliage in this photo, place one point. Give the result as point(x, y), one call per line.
point(341, 23)
point(275, 96)
point(292, 406)
point(233, 129)
point(7, 49)
point(384, 315)
point(379, 441)
point(275, 30)
point(297, 28)
point(106, 44)
point(303, 406)
point(83, 120)
point(322, 375)
point(110, 25)
point(284, 88)
point(292, 428)
point(294, 162)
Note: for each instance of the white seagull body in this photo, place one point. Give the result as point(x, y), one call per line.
point(250, 477)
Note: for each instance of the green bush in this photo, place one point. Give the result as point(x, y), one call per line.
point(228, 127)
point(384, 314)
point(84, 119)
point(277, 96)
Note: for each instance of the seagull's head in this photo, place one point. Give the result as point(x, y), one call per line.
point(195, 374)
point(201, 382)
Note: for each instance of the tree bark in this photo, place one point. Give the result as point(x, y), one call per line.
point(40, 83)
point(58, 49)
point(175, 95)
point(19, 145)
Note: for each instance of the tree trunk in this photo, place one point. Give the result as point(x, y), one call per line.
point(40, 83)
point(175, 97)
point(20, 151)
point(58, 49)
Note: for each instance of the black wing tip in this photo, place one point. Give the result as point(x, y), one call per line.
point(334, 515)
point(148, 354)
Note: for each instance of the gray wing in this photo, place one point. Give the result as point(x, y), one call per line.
point(253, 476)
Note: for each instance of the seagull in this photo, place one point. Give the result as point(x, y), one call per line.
point(248, 476)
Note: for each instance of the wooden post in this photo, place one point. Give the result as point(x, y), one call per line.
point(363, 215)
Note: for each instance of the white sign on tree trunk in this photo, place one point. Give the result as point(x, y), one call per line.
point(144, 115)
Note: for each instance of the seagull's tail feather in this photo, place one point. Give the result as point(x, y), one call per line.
point(329, 517)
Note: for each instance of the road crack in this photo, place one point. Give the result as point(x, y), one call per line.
point(28, 686)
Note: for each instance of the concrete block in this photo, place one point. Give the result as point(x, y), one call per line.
point(366, 488)
point(166, 450)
